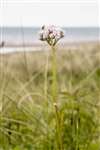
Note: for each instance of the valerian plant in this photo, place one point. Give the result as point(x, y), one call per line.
point(52, 34)
point(75, 126)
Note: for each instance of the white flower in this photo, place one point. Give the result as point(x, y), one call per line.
point(45, 34)
point(51, 34)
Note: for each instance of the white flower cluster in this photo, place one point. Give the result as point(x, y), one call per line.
point(51, 34)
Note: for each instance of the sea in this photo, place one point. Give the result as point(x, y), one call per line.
point(11, 37)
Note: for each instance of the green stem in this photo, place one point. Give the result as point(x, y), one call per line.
point(54, 96)
point(54, 75)
point(59, 129)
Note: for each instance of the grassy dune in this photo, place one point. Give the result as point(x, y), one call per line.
point(27, 114)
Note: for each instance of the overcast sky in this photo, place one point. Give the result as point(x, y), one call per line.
point(58, 12)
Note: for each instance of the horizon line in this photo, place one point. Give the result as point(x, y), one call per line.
point(40, 26)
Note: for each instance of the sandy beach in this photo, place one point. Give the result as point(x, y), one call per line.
point(43, 46)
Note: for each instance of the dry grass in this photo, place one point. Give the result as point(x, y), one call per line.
point(23, 82)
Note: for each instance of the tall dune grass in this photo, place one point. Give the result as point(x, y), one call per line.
point(27, 112)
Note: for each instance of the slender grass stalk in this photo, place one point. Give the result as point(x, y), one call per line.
point(77, 129)
point(46, 77)
point(25, 63)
